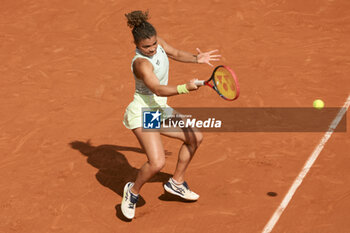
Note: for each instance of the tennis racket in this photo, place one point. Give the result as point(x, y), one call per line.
point(223, 81)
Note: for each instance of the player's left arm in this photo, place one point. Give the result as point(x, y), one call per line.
point(183, 56)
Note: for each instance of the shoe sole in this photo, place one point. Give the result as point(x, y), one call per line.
point(169, 190)
point(124, 193)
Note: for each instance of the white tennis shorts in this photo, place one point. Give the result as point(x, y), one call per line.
point(133, 113)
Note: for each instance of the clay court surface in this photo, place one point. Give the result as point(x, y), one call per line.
point(66, 81)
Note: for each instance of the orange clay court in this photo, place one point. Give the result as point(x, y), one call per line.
point(66, 81)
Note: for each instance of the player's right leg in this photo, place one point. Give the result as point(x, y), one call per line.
point(152, 144)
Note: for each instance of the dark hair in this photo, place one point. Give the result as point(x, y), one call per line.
point(141, 29)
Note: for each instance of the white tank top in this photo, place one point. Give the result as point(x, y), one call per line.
point(160, 64)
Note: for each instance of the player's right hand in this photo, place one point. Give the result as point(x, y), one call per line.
point(191, 86)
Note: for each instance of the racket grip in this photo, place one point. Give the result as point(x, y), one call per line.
point(199, 82)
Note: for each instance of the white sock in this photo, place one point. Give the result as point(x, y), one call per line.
point(175, 182)
point(131, 191)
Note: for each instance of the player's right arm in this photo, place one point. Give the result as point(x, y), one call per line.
point(143, 70)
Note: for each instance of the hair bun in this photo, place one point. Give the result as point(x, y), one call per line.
point(136, 18)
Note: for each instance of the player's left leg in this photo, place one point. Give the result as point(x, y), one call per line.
point(191, 138)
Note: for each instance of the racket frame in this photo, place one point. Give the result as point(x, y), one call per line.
point(215, 87)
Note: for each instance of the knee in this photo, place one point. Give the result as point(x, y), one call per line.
point(158, 164)
point(199, 139)
point(196, 140)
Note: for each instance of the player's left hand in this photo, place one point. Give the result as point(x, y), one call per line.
point(207, 56)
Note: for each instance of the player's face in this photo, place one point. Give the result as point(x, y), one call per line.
point(149, 46)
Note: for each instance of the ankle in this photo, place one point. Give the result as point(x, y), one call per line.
point(132, 190)
point(177, 181)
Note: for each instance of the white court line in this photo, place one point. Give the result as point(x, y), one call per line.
point(273, 220)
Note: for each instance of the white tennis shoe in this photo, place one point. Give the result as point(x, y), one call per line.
point(129, 201)
point(181, 190)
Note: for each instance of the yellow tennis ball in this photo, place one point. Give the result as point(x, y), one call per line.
point(318, 104)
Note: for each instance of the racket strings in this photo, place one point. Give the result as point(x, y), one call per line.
point(225, 83)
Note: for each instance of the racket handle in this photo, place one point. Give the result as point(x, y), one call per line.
point(199, 82)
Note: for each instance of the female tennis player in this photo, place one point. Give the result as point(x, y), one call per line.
point(150, 68)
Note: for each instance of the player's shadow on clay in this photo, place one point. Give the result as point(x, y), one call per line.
point(114, 169)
